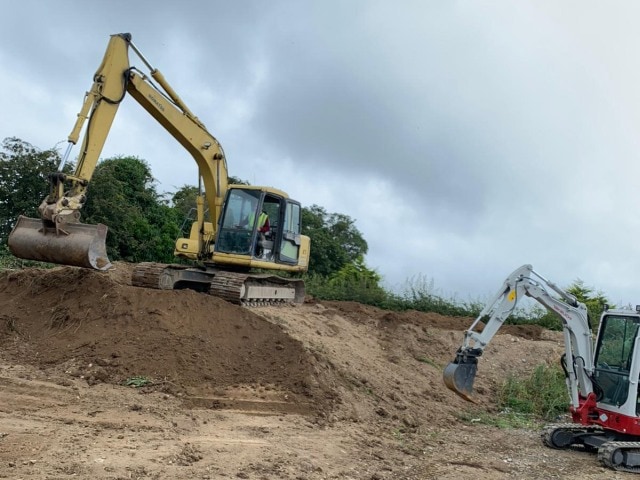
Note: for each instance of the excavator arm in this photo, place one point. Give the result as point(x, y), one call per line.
point(58, 237)
point(460, 374)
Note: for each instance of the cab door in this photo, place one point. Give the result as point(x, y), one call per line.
point(290, 239)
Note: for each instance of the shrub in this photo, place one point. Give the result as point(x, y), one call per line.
point(543, 393)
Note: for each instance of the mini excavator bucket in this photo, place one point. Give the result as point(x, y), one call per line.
point(460, 374)
point(76, 244)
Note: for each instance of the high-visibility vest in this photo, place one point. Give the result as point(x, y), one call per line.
point(261, 219)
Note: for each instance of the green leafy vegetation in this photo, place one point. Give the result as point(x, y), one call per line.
point(137, 381)
point(336, 242)
point(9, 262)
point(428, 361)
point(503, 419)
point(526, 402)
point(542, 394)
point(142, 225)
point(23, 180)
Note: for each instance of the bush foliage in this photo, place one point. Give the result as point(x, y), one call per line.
point(542, 394)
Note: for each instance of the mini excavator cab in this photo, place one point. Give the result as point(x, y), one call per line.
point(617, 365)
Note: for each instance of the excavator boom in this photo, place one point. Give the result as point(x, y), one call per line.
point(58, 236)
point(460, 374)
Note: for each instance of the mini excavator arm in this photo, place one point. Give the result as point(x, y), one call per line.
point(460, 374)
point(58, 238)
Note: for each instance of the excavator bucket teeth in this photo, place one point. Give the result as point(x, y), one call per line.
point(76, 244)
point(459, 377)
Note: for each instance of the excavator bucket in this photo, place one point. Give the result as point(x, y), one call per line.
point(459, 377)
point(76, 244)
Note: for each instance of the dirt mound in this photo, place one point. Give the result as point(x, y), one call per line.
point(358, 313)
point(324, 390)
point(96, 326)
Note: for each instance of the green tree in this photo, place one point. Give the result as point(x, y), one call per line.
point(237, 181)
point(142, 226)
point(23, 180)
point(353, 282)
point(335, 240)
point(594, 300)
point(184, 202)
point(356, 273)
point(184, 205)
point(359, 283)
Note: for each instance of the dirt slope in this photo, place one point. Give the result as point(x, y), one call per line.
point(330, 390)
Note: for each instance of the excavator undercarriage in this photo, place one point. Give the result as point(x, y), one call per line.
point(241, 288)
point(614, 449)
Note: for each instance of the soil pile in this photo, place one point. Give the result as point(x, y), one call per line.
point(98, 327)
point(320, 391)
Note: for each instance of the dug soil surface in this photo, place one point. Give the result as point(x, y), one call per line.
point(103, 380)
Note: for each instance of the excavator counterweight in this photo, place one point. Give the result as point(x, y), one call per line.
point(76, 244)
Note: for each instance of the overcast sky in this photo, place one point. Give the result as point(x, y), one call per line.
point(465, 138)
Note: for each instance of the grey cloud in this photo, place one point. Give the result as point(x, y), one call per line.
point(490, 122)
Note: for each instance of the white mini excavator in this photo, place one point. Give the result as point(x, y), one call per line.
point(601, 373)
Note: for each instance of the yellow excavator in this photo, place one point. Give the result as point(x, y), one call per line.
point(248, 227)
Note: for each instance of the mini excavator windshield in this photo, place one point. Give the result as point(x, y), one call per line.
point(614, 357)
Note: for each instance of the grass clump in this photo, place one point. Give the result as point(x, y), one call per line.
point(137, 381)
point(526, 402)
point(543, 393)
point(504, 419)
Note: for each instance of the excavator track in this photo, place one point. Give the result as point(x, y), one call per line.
point(253, 290)
point(228, 285)
point(564, 436)
point(240, 288)
point(617, 455)
point(148, 275)
point(620, 456)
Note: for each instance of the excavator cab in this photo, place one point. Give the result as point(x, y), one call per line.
point(615, 371)
point(259, 223)
point(240, 223)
